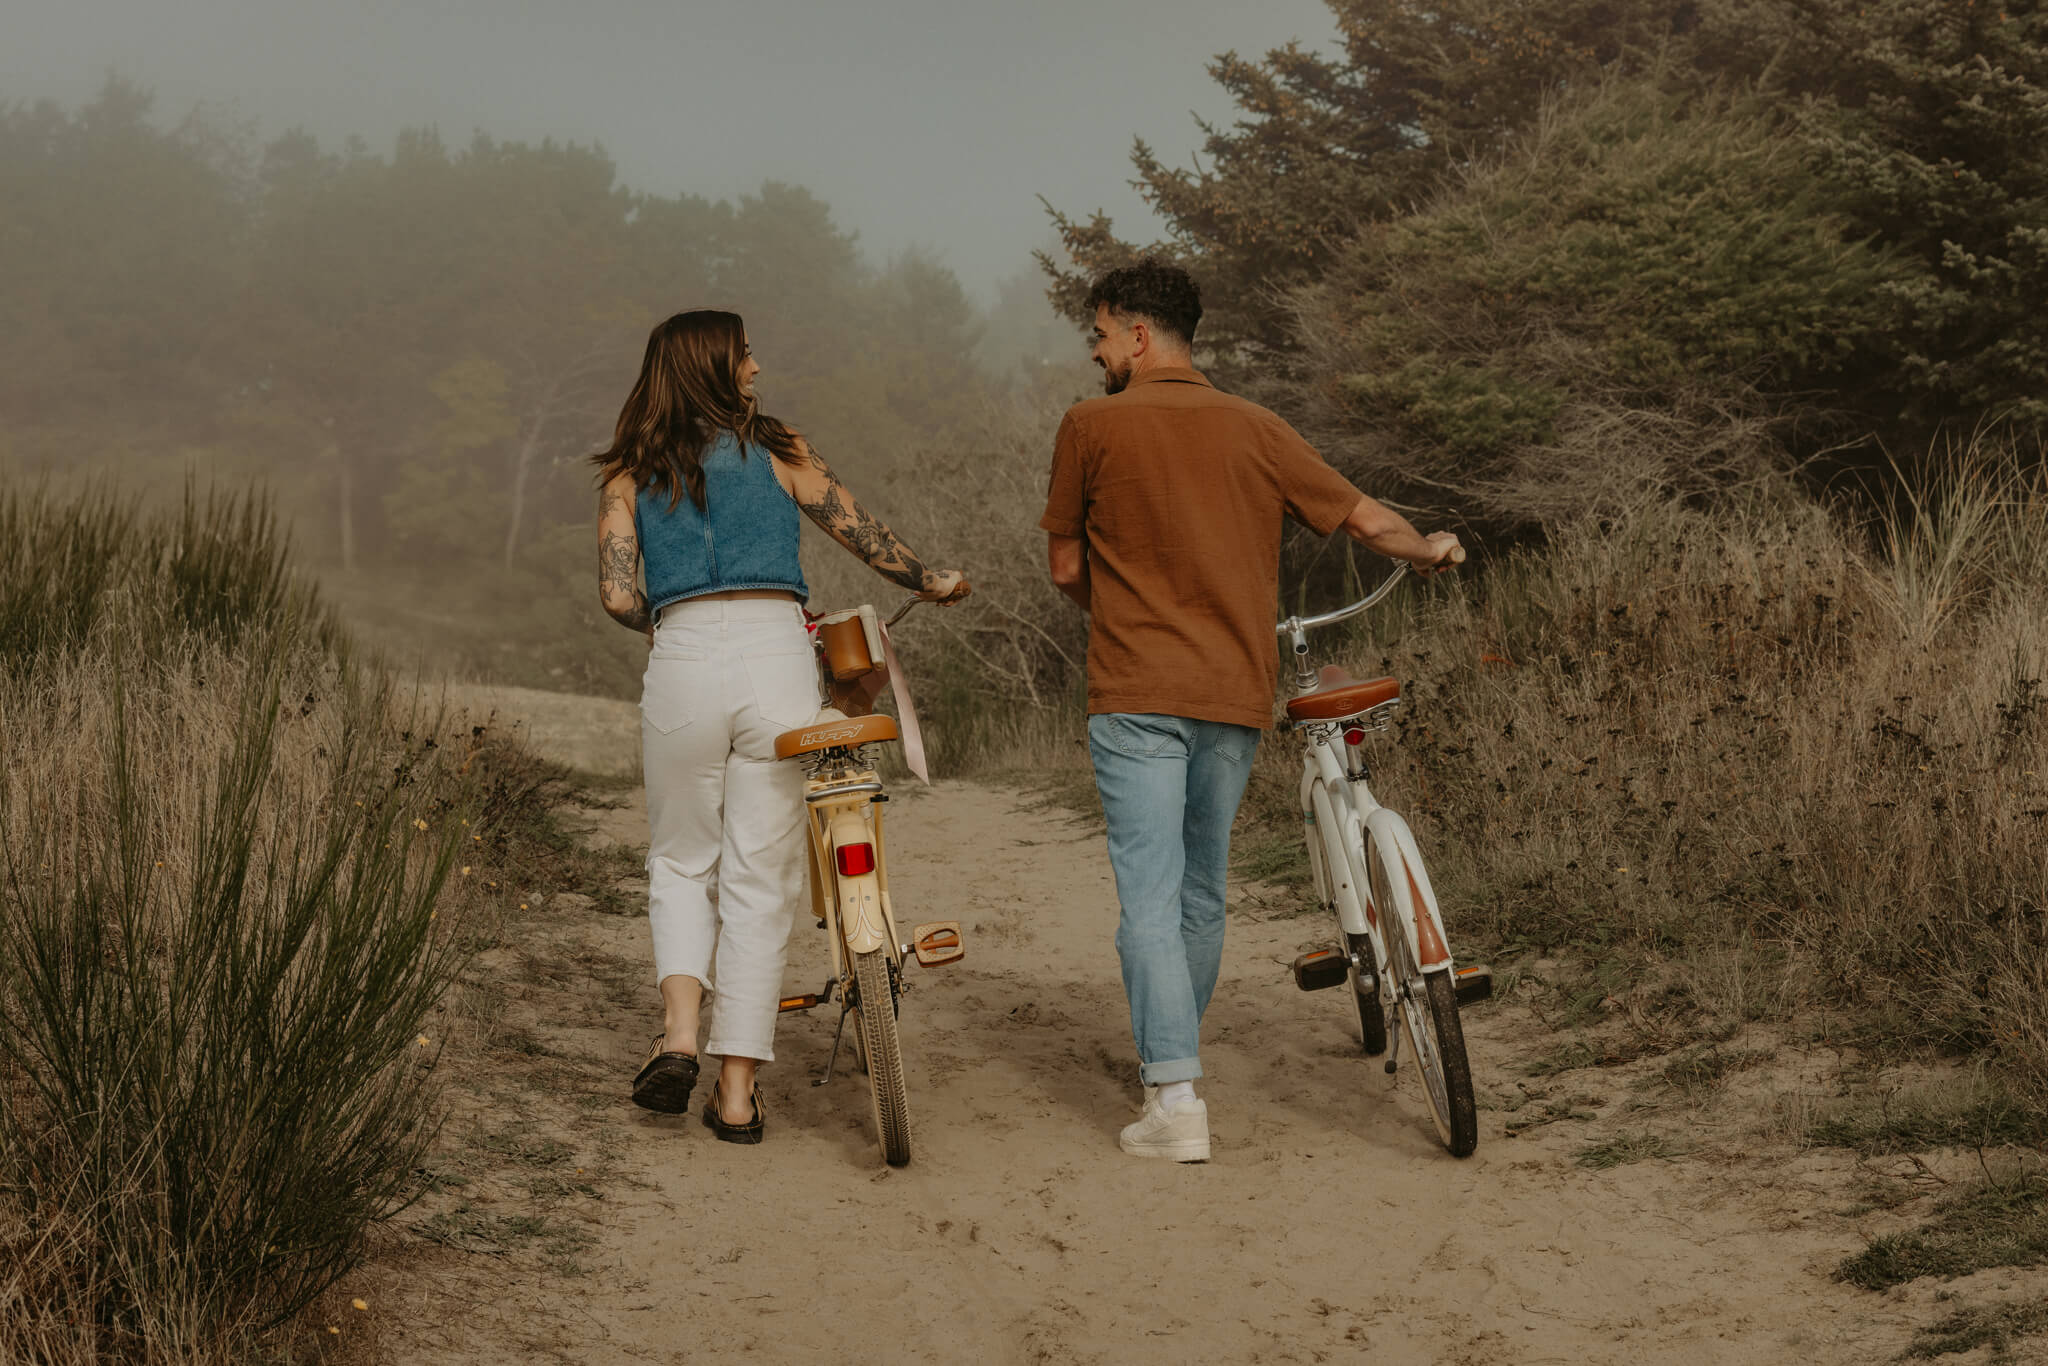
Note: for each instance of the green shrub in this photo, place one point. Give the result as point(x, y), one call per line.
point(216, 568)
point(1598, 314)
point(222, 845)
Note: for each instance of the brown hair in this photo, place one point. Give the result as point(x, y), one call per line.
point(688, 391)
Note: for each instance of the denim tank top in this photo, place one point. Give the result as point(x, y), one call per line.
point(746, 536)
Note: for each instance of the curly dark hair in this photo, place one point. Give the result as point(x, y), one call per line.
point(1161, 294)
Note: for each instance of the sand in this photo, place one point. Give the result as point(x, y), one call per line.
point(1328, 1226)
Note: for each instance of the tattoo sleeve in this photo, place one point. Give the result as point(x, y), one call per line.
point(618, 569)
point(837, 511)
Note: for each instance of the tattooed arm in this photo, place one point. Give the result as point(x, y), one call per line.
point(618, 557)
point(829, 503)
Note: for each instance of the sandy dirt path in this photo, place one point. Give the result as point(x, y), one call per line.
point(1329, 1225)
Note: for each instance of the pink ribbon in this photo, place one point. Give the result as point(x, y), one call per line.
point(906, 714)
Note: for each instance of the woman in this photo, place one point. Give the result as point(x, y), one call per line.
point(702, 490)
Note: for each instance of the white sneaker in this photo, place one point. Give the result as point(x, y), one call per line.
point(1182, 1136)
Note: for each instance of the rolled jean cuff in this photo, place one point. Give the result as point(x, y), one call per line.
point(732, 1048)
point(1161, 1073)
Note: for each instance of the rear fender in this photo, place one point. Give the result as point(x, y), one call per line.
point(863, 920)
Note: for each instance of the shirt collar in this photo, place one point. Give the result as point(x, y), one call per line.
point(1171, 374)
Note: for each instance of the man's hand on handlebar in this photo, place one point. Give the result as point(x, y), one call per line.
point(1449, 554)
point(948, 586)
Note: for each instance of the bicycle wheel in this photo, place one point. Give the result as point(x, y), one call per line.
point(874, 1022)
point(1428, 1008)
point(1365, 996)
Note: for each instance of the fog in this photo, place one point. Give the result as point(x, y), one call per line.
point(394, 262)
point(926, 123)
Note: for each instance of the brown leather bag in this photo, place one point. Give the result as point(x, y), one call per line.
point(847, 653)
point(855, 671)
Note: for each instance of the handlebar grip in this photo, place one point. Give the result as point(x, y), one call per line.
point(1457, 554)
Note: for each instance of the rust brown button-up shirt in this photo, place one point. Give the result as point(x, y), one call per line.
point(1180, 490)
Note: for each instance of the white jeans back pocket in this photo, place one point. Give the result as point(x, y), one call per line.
point(785, 686)
point(668, 694)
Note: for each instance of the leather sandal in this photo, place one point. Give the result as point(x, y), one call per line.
point(664, 1083)
point(749, 1132)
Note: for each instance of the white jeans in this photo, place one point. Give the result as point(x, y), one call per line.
point(725, 854)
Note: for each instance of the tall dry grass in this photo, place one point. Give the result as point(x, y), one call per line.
point(1804, 769)
point(1793, 757)
point(998, 677)
point(223, 844)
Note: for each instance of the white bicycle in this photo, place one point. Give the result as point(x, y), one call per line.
point(1391, 948)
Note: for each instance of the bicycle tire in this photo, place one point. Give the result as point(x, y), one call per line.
point(1427, 1004)
point(1329, 842)
point(1372, 1012)
point(1461, 1135)
point(875, 1025)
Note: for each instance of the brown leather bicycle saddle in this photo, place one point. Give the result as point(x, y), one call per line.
point(827, 733)
point(1340, 695)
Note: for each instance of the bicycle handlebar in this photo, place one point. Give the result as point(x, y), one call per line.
point(903, 611)
point(1293, 624)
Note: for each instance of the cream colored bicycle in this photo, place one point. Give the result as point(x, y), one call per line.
point(1391, 946)
point(846, 804)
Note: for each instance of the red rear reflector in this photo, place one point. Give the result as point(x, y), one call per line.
point(1354, 735)
point(855, 859)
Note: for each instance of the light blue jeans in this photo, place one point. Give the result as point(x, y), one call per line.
point(1170, 788)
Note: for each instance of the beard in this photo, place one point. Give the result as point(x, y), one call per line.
point(1114, 381)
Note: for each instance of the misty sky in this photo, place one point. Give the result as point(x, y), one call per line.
point(922, 122)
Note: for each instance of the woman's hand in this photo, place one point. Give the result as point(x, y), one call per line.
point(946, 587)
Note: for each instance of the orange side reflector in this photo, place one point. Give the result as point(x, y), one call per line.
point(938, 943)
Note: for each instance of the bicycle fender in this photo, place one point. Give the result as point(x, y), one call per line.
point(862, 919)
point(1414, 908)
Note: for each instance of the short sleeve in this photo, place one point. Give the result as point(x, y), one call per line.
point(1066, 495)
point(1316, 496)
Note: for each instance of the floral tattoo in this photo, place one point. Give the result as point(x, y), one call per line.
point(837, 511)
point(618, 570)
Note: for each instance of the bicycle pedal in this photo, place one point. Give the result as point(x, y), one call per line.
point(937, 943)
point(1322, 968)
point(1473, 985)
point(803, 1002)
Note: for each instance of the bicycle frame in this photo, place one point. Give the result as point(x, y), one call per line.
point(1356, 814)
point(846, 830)
point(1370, 873)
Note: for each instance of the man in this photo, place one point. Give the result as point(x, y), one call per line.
point(1164, 517)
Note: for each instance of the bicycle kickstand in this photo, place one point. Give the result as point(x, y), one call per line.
point(1393, 1048)
point(837, 1035)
